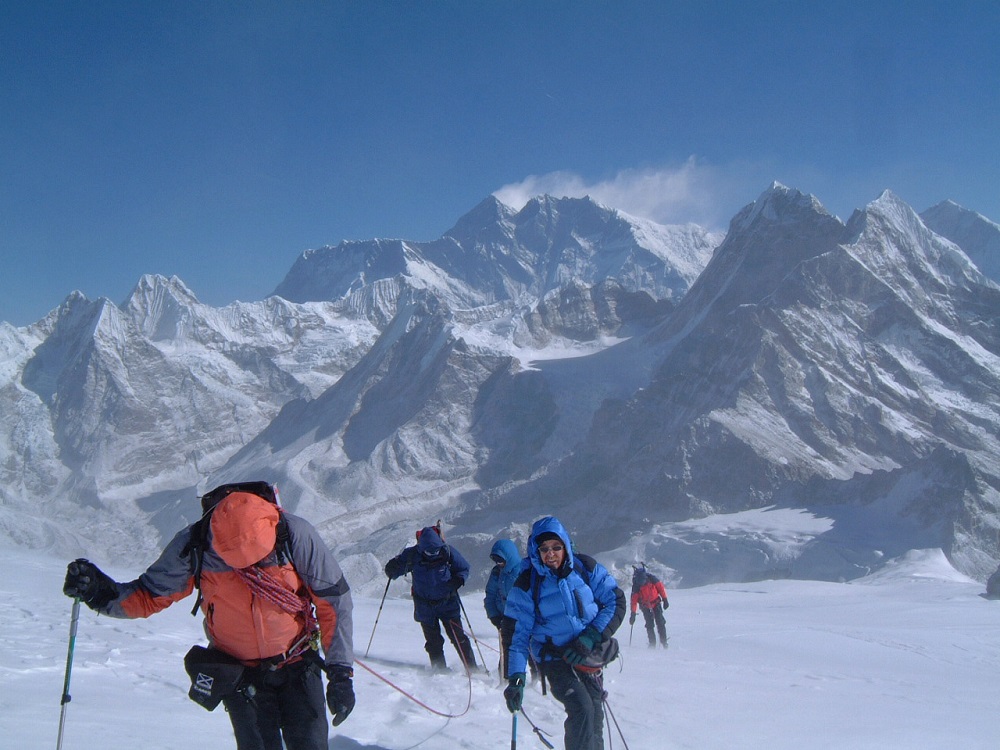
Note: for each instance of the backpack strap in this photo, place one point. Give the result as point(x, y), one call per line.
point(195, 549)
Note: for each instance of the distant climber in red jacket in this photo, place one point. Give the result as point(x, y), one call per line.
point(649, 594)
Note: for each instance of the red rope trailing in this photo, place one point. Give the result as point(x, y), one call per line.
point(416, 700)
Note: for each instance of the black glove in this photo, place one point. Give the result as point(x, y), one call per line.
point(340, 692)
point(86, 582)
point(394, 568)
point(496, 620)
point(665, 603)
point(579, 650)
point(631, 619)
point(514, 692)
point(456, 583)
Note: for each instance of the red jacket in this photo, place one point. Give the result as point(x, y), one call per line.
point(649, 594)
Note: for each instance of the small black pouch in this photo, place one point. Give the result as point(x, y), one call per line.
point(214, 676)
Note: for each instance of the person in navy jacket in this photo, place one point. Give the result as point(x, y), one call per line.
point(439, 571)
point(563, 605)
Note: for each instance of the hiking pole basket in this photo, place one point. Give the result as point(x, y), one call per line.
point(377, 616)
point(74, 619)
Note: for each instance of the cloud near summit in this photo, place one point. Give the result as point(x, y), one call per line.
point(691, 192)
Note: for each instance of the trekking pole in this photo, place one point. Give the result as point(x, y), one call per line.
point(378, 616)
point(472, 633)
point(74, 619)
point(501, 672)
point(631, 627)
point(513, 732)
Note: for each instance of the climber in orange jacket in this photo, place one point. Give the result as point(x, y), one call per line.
point(272, 595)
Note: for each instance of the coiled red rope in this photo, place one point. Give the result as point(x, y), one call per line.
point(267, 587)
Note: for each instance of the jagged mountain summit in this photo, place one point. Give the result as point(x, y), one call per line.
point(494, 256)
point(565, 358)
point(850, 371)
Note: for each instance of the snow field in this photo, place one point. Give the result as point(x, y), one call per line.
point(905, 659)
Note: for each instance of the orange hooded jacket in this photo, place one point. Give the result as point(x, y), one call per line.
point(250, 628)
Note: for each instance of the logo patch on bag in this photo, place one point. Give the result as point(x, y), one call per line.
point(203, 683)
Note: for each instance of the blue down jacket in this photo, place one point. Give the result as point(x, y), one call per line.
point(566, 602)
point(501, 578)
point(438, 571)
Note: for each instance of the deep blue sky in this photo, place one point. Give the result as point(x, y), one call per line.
point(216, 141)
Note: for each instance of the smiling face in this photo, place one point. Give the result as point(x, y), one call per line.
point(552, 553)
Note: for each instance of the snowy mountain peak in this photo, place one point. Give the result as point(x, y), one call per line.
point(496, 256)
point(893, 241)
point(552, 209)
point(776, 204)
point(978, 237)
point(486, 218)
point(160, 307)
point(151, 286)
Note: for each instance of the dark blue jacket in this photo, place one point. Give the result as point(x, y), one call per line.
point(568, 601)
point(501, 578)
point(438, 571)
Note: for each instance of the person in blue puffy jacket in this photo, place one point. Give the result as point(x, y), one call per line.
point(564, 607)
point(507, 564)
point(439, 571)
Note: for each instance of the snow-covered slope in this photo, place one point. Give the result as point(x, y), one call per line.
point(903, 659)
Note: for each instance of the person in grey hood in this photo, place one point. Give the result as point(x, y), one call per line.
point(439, 571)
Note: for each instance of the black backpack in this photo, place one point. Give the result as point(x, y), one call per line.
point(641, 577)
point(199, 529)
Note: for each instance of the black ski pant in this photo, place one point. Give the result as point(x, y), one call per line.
point(287, 703)
point(434, 641)
point(654, 618)
point(582, 695)
point(506, 637)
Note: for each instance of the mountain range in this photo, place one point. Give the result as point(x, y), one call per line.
point(665, 390)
